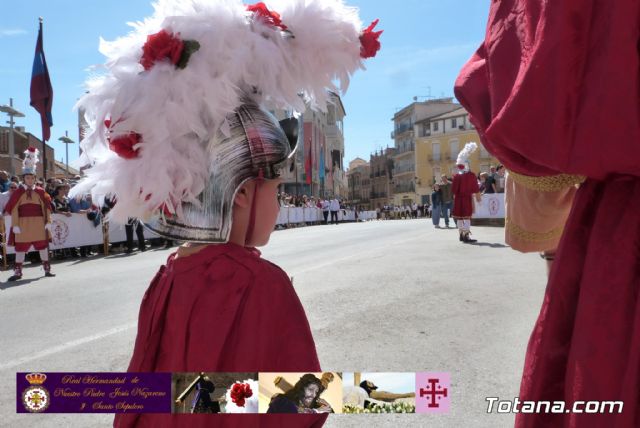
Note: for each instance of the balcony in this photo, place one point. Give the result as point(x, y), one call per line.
point(434, 158)
point(405, 150)
point(378, 195)
point(405, 188)
point(401, 130)
point(332, 131)
point(403, 171)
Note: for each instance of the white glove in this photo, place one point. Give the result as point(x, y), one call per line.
point(16, 230)
point(47, 227)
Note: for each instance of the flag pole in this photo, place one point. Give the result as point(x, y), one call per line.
point(44, 143)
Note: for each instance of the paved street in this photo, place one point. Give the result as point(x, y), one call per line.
point(380, 296)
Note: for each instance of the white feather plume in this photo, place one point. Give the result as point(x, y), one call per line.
point(177, 111)
point(31, 159)
point(464, 154)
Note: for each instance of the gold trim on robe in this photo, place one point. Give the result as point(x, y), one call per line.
point(547, 183)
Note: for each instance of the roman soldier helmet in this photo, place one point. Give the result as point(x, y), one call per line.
point(181, 120)
point(463, 157)
point(258, 146)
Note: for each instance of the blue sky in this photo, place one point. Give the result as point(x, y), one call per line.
point(424, 45)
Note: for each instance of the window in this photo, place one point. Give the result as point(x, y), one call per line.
point(435, 126)
point(454, 123)
point(453, 147)
point(436, 151)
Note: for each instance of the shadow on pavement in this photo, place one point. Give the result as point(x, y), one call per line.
point(6, 285)
point(487, 244)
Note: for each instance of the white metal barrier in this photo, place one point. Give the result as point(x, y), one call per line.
point(77, 231)
point(297, 215)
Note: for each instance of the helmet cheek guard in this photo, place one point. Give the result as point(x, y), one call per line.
point(257, 145)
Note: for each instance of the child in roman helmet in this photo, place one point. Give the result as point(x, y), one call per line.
point(183, 139)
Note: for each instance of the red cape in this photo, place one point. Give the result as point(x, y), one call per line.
point(463, 188)
point(554, 87)
point(223, 309)
point(13, 200)
point(15, 196)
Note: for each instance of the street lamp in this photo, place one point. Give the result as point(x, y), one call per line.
point(12, 113)
point(66, 140)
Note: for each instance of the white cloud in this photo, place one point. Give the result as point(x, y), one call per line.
point(12, 32)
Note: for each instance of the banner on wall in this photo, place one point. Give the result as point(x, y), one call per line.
point(77, 230)
point(491, 206)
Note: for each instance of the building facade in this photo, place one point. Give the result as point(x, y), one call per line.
point(22, 140)
point(381, 174)
point(335, 182)
point(62, 171)
point(405, 133)
point(318, 168)
point(359, 181)
point(442, 138)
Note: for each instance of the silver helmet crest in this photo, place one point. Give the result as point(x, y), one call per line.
point(257, 145)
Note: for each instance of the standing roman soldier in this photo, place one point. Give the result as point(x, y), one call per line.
point(465, 186)
point(30, 210)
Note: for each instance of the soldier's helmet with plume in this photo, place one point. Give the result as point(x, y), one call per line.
point(181, 118)
point(463, 157)
point(30, 161)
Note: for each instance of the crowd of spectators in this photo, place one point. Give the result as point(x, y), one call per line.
point(58, 190)
point(492, 181)
point(61, 203)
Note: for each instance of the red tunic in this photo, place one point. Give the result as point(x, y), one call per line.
point(30, 210)
point(555, 89)
point(223, 309)
point(463, 188)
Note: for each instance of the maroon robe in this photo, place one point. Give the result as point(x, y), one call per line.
point(222, 309)
point(464, 186)
point(555, 89)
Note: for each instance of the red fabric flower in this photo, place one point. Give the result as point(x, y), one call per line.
point(165, 209)
point(369, 43)
point(240, 392)
point(123, 145)
point(31, 149)
point(271, 18)
point(160, 46)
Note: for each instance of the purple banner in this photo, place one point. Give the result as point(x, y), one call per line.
point(93, 392)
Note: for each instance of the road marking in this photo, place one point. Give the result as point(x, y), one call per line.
point(65, 346)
